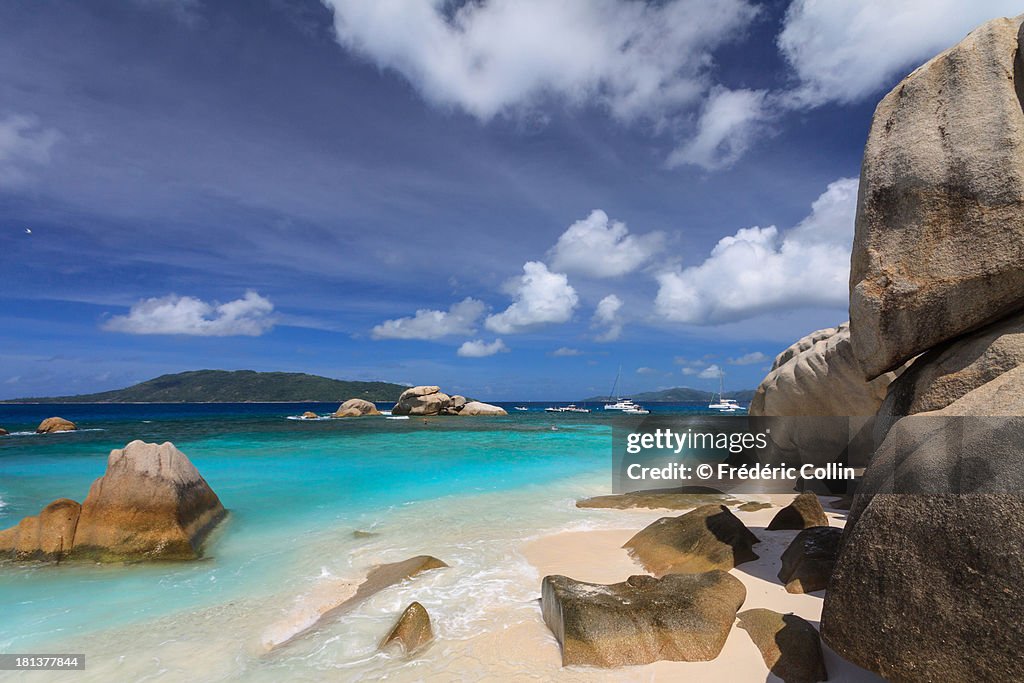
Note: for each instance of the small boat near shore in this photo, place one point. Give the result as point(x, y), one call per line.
point(521, 409)
point(571, 408)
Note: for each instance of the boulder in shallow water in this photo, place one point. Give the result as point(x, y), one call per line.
point(309, 415)
point(151, 503)
point(805, 511)
point(47, 536)
point(3, 432)
point(411, 632)
point(423, 400)
point(808, 562)
point(680, 617)
point(789, 645)
point(480, 408)
point(938, 249)
point(356, 407)
point(709, 537)
point(55, 424)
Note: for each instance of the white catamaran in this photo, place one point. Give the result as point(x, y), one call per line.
point(626, 405)
point(724, 405)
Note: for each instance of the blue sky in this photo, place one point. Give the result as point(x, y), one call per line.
point(506, 198)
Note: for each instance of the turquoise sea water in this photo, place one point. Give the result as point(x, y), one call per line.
point(295, 490)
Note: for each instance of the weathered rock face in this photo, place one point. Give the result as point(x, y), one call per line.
point(411, 632)
point(928, 573)
point(425, 400)
point(48, 536)
point(681, 617)
point(949, 371)
point(939, 244)
point(928, 588)
point(478, 408)
point(709, 537)
point(805, 511)
point(819, 384)
point(457, 403)
point(789, 645)
point(356, 407)
point(337, 597)
point(808, 562)
point(151, 503)
point(55, 424)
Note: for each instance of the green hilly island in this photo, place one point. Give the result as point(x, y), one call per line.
point(238, 386)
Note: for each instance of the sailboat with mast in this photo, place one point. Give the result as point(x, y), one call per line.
point(618, 403)
point(724, 405)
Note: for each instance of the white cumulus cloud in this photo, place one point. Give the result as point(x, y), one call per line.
point(639, 59)
point(727, 127)
point(760, 269)
point(249, 316)
point(599, 247)
point(748, 359)
point(540, 297)
point(479, 349)
point(845, 50)
point(24, 144)
point(710, 372)
point(606, 315)
point(460, 318)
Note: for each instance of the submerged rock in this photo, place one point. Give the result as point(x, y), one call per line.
point(754, 506)
point(411, 632)
point(479, 408)
point(423, 400)
point(356, 407)
point(805, 511)
point(789, 645)
point(681, 617)
point(151, 503)
point(47, 536)
point(939, 238)
point(659, 499)
point(709, 537)
point(808, 562)
point(55, 424)
point(338, 597)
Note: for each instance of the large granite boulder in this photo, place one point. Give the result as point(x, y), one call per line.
point(709, 537)
point(789, 645)
point(356, 407)
point(309, 415)
point(411, 632)
point(47, 536)
point(951, 370)
point(805, 511)
point(457, 403)
point(52, 425)
point(939, 242)
point(680, 617)
point(818, 404)
point(479, 408)
point(151, 503)
point(928, 578)
point(808, 562)
point(425, 400)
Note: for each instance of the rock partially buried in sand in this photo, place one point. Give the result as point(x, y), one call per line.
point(808, 562)
point(356, 407)
point(940, 217)
point(710, 537)
point(681, 617)
point(151, 503)
point(804, 512)
point(411, 632)
point(52, 425)
point(789, 645)
point(47, 536)
point(480, 408)
point(340, 597)
point(424, 400)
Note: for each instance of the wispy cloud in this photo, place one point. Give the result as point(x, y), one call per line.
point(606, 315)
point(24, 145)
point(748, 359)
point(565, 352)
point(172, 314)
